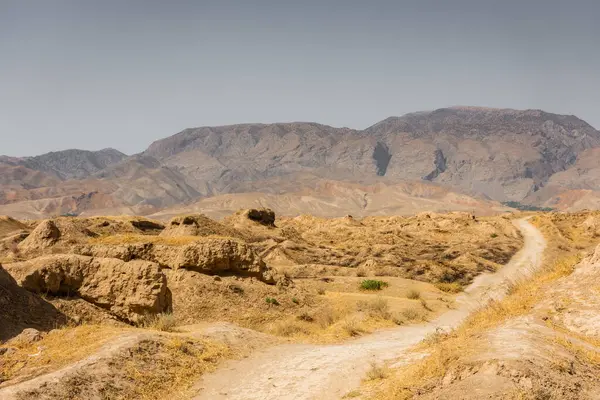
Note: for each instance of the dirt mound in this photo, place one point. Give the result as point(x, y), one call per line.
point(45, 235)
point(129, 290)
point(10, 226)
point(212, 256)
point(197, 225)
point(20, 309)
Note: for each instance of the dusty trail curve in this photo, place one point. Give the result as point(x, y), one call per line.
point(324, 372)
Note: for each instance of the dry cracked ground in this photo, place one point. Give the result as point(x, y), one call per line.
point(132, 308)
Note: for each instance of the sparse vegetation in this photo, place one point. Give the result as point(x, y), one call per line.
point(452, 287)
point(377, 372)
point(526, 207)
point(272, 301)
point(165, 322)
point(352, 327)
point(445, 349)
point(412, 314)
point(377, 308)
point(413, 295)
point(371, 284)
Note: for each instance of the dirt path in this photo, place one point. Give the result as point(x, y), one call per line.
point(330, 371)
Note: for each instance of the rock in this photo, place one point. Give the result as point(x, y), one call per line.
point(124, 252)
point(215, 256)
point(28, 336)
point(197, 225)
point(129, 290)
point(7, 351)
point(212, 256)
point(264, 216)
point(145, 225)
point(45, 235)
point(20, 309)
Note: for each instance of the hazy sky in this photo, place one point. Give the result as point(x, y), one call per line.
point(117, 73)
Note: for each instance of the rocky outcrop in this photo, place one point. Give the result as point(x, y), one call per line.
point(197, 225)
point(212, 256)
point(45, 235)
point(20, 309)
point(264, 216)
point(129, 290)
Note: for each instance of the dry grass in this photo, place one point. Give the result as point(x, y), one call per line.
point(453, 287)
point(165, 322)
point(168, 370)
point(413, 295)
point(155, 368)
point(352, 327)
point(376, 308)
point(377, 372)
point(59, 347)
point(446, 349)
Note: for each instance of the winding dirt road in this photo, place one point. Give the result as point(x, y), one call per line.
point(330, 371)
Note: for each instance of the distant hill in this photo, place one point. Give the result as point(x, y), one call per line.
point(490, 155)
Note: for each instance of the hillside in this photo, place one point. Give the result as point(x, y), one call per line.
point(487, 155)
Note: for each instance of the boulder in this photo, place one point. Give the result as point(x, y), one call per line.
point(216, 256)
point(20, 309)
point(264, 216)
point(28, 336)
point(129, 290)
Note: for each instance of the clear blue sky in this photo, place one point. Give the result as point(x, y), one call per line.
point(117, 73)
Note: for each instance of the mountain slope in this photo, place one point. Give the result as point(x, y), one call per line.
point(490, 154)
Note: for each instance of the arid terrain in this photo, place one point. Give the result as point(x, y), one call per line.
point(130, 285)
point(442, 254)
point(256, 306)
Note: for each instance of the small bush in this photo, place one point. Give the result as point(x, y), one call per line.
point(290, 328)
point(165, 322)
point(272, 301)
point(352, 327)
point(321, 291)
point(325, 317)
point(371, 284)
point(494, 235)
point(295, 300)
point(377, 308)
point(413, 295)
point(411, 314)
point(377, 372)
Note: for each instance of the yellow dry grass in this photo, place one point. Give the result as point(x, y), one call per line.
point(171, 372)
point(445, 349)
point(59, 347)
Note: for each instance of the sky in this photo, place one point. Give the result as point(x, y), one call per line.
point(123, 73)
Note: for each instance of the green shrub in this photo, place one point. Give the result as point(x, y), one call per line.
point(372, 284)
point(272, 301)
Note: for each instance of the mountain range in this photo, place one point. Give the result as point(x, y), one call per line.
point(457, 158)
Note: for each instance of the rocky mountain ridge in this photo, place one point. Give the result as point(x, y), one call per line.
point(492, 155)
